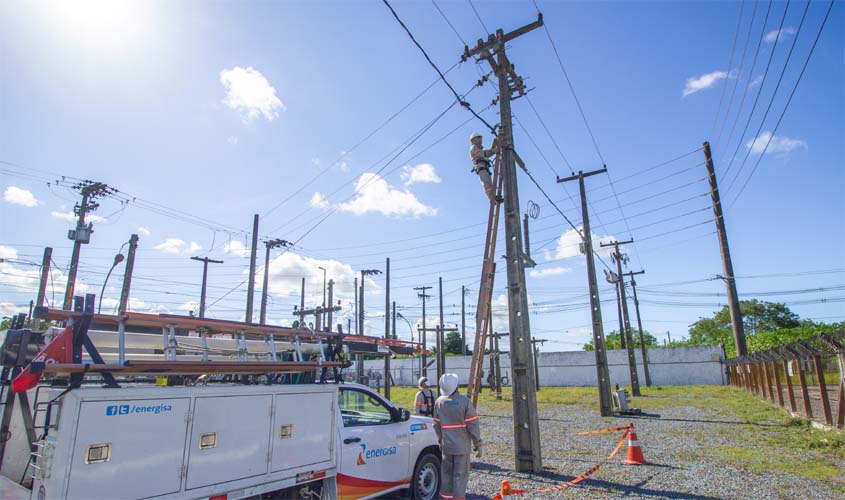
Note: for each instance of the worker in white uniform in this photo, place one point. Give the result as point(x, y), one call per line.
point(424, 404)
point(459, 431)
point(481, 165)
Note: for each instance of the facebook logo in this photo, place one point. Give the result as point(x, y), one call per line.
point(117, 410)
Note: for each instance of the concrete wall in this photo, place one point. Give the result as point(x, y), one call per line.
point(668, 366)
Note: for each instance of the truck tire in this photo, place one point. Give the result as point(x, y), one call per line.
point(425, 485)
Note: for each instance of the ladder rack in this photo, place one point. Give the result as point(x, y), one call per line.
point(485, 292)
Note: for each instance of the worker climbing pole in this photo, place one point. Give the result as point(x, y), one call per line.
point(526, 425)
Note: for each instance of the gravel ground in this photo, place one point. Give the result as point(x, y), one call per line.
point(703, 451)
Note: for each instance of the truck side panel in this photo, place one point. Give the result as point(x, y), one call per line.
point(302, 436)
point(115, 454)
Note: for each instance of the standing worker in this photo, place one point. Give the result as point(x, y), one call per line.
point(424, 405)
point(459, 432)
point(481, 165)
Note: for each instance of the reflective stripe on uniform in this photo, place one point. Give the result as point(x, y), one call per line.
point(472, 419)
point(449, 427)
point(443, 495)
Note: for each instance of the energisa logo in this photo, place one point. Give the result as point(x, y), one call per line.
point(374, 453)
point(127, 409)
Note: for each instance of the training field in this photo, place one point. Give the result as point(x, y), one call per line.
point(705, 442)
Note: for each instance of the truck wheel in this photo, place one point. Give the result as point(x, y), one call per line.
point(426, 481)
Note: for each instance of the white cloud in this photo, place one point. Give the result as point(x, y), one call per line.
point(419, 174)
point(144, 230)
point(549, 271)
point(779, 145)
point(756, 81)
point(20, 196)
point(343, 166)
point(8, 252)
point(248, 92)
point(190, 306)
point(374, 194)
point(316, 161)
point(232, 139)
point(319, 201)
point(772, 36)
point(236, 247)
point(569, 245)
point(10, 309)
point(194, 247)
point(287, 270)
point(706, 81)
point(71, 217)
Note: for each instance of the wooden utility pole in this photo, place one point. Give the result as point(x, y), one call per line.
point(42, 283)
point(727, 264)
point(527, 452)
point(441, 353)
point(643, 349)
point(127, 276)
point(355, 287)
point(622, 343)
point(82, 234)
point(250, 289)
point(602, 373)
point(423, 296)
point(265, 289)
point(205, 261)
point(626, 330)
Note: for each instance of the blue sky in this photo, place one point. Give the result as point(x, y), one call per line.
point(227, 109)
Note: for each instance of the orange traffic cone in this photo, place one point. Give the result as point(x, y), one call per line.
point(506, 492)
point(635, 453)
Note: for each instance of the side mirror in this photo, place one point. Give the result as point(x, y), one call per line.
point(404, 415)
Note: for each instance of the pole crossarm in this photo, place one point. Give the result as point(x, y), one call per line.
point(493, 42)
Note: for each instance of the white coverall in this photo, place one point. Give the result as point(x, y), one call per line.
point(459, 431)
point(481, 166)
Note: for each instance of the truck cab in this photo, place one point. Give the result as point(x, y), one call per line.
point(383, 448)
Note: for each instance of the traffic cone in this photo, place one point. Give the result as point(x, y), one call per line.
point(635, 453)
point(506, 492)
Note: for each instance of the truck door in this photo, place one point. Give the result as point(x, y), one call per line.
point(374, 445)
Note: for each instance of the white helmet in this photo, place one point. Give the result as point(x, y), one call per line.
point(448, 384)
point(423, 382)
point(473, 136)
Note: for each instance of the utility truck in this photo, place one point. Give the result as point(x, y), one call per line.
point(196, 437)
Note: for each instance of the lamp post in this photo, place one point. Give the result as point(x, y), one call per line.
point(410, 329)
point(117, 260)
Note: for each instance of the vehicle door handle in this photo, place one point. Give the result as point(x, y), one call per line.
point(351, 440)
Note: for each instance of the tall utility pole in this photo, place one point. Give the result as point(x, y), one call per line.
point(82, 234)
point(612, 278)
point(329, 318)
point(387, 326)
point(463, 320)
point(205, 261)
point(626, 330)
point(534, 343)
point(643, 349)
point(441, 341)
point(527, 453)
point(42, 283)
point(355, 286)
point(602, 373)
point(302, 305)
point(423, 296)
point(323, 315)
point(269, 244)
point(127, 275)
point(250, 289)
point(727, 263)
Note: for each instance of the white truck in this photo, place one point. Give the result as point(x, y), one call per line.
point(227, 442)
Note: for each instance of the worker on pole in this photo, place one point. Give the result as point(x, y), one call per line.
point(481, 164)
point(459, 432)
point(424, 404)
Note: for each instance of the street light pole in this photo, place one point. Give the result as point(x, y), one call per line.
point(117, 260)
point(323, 313)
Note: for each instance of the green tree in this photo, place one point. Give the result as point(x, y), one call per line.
point(612, 340)
point(453, 343)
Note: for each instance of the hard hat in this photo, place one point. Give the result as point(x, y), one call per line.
point(423, 380)
point(448, 384)
point(473, 136)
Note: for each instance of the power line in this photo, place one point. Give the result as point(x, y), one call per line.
point(449, 23)
point(730, 64)
point(478, 16)
point(759, 91)
point(788, 101)
point(459, 98)
point(774, 94)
